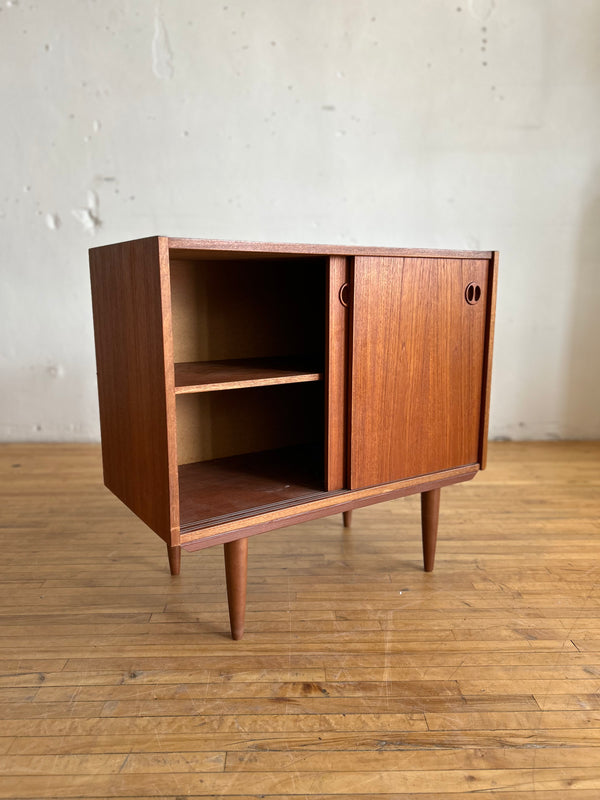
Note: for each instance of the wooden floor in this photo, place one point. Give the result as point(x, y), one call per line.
point(359, 675)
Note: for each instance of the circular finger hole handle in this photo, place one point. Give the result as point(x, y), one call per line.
point(473, 293)
point(344, 294)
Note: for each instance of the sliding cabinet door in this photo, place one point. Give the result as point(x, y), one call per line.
point(417, 356)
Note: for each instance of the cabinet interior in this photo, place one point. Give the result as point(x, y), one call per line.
point(249, 352)
point(248, 308)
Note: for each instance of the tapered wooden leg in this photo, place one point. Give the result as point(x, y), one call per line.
point(174, 559)
point(430, 511)
point(236, 574)
point(347, 519)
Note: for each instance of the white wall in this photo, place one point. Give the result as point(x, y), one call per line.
point(443, 123)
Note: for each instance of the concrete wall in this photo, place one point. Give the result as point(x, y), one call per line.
point(450, 123)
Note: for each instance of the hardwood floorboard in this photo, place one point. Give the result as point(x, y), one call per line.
point(535, 794)
point(359, 675)
point(412, 741)
point(298, 783)
point(241, 724)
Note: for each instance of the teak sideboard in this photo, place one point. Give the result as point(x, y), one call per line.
point(244, 386)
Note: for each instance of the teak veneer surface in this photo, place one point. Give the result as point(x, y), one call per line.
point(359, 675)
point(336, 386)
point(417, 360)
point(217, 248)
point(133, 401)
point(210, 376)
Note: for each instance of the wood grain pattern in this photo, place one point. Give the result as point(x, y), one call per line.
point(228, 489)
point(358, 673)
point(131, 303)
point(212, 376)
point(417, 359)
point(336, 376)
point(310, 505)
point(193, 248)
point(220, 424)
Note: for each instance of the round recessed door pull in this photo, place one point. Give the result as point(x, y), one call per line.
point(473, 293)
point(344, 294)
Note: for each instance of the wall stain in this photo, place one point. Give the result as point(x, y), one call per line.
point(162, 55)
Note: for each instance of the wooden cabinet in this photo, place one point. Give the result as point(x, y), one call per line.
point(245, 387)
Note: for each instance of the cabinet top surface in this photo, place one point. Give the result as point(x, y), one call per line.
point(187, 248)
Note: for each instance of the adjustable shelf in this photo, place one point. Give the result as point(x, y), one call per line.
point(242, 373)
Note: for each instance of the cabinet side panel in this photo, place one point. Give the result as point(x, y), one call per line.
point(417, 361)
point(127, 303)
point(487, 359)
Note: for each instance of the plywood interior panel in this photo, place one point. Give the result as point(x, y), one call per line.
point(240, 309)
point(218, 424)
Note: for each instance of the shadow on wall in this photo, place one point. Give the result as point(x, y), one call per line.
point(582, 393)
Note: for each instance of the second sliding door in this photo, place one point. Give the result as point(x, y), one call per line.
point(417, 351)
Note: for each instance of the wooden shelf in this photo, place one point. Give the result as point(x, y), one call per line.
point(211, 376)
point(227, 488)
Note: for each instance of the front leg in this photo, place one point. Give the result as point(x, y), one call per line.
point(236, 575)
point(430, 512)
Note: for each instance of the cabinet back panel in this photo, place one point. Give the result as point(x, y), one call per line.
point(242, 309)
point(417, 367)
point(227, 423)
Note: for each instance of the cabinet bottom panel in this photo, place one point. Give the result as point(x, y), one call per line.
point(226, 489)
point(220, 530)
